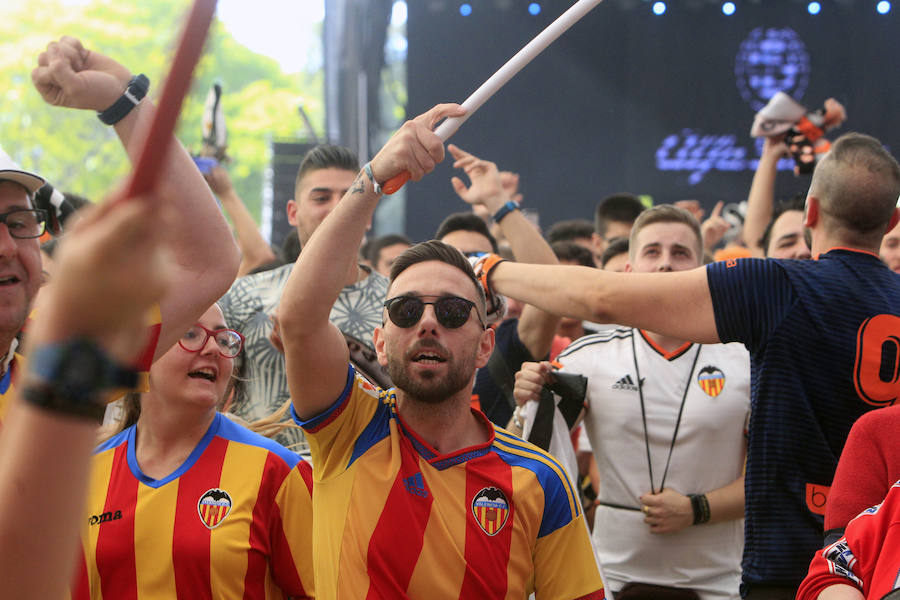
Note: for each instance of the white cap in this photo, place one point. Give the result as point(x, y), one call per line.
point(11, 171)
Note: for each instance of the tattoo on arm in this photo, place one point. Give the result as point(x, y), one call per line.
point(359, 184)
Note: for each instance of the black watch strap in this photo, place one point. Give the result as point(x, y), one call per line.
point(49, 397)
point(131, 97)
point(72, 377)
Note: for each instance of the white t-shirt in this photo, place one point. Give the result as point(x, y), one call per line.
point(709, 452)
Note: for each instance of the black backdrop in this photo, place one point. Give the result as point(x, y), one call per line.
point(629, 101)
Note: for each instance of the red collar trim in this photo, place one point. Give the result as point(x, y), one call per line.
point(661, 351)
point(442, 461)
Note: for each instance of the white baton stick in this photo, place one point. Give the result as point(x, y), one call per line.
point(504, 74)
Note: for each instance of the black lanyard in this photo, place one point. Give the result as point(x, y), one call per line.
point(640, 386)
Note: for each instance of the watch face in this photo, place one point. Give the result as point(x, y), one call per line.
point(83, 369)
point(80, 368)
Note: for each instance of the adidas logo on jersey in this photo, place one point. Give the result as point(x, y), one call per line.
point(416, 485)
point(625, 383)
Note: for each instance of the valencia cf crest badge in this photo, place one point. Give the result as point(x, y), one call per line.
point(711, 380)
point(213, 507)
point(490, 509)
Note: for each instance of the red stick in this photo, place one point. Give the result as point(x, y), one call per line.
point(157, 143)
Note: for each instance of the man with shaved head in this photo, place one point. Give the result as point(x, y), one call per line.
point(821, 335)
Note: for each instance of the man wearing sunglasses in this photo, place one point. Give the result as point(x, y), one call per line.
point(822, 336)
point(417, 495)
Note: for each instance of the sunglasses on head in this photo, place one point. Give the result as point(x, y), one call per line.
point(451, 312)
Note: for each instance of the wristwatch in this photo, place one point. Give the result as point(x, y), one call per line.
point(131, 97)
point(69, 378)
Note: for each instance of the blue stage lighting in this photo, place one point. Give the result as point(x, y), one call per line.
point(883, 7)
point(814, 8)
point(728, 8)
point(465, 9)
point(534, 8)
point(659, 8)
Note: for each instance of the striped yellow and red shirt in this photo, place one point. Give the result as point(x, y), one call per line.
point(234, 521)
point(395, 519)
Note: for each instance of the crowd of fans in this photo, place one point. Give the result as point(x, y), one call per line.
point(601, 410)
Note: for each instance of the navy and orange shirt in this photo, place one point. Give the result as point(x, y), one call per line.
point(396, 519)
point(823, 340)
point(234, 521)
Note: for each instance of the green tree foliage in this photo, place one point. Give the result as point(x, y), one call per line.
point(79, 154)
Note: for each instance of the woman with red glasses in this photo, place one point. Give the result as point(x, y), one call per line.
point(187, 503)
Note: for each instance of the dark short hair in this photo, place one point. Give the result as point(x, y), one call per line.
point(374, 247)
point(290, 246)
point(327, 156)
point(465, 222)
point(796, 202)
point(621, 207)
point(567, 231)
point(667, 213)
point(445, 253)
point(857, 184)
point(616, 246)
point(572, 252)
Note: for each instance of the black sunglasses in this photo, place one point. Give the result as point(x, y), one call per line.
point(452, 312)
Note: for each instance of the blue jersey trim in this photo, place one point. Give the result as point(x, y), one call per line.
point(235, 432)
point(185, 466)
point(6, 380)
point(321, 419)
point(559, 495)
point(377, 429)
point(114, 441)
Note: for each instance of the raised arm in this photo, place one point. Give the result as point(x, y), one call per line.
point(204, 255)
point(111, 270)
point(536, 327)
point(255, 252)
point(676, 304)
point(761, 199)
point(316, 355)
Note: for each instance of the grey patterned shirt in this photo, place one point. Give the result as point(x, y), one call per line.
point(247, 307)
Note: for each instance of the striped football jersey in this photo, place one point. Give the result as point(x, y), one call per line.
point(396, 519)
point(234, 521)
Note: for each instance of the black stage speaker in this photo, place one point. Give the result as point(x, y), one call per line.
point(286, 157)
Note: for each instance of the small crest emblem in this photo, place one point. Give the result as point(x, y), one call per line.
point(213, 507)
point(711, 380)
point(490, 509)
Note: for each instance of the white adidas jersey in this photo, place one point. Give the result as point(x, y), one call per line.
point(709, 453)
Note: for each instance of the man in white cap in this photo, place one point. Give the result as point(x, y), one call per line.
point(20, 257)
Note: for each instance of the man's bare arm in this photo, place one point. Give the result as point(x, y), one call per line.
point(536, 327)
point(45, 456)
point(204, 254)
point(761, 198)
point(675, 304)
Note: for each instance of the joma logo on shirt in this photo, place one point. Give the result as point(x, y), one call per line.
point(104, 517)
